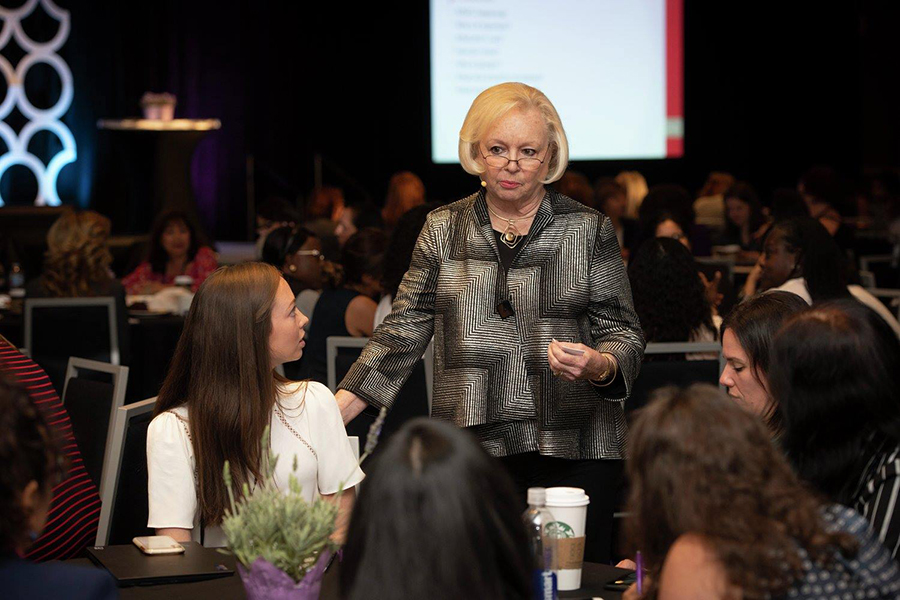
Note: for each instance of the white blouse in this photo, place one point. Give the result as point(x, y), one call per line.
point(305, 423)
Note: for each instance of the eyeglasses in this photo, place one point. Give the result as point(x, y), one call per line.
point(316, 253)
point(526, 163)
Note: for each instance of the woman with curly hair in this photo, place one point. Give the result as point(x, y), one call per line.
point(717, 512)
point(176, 248)
point(669, 296)
point(77, 259)
point(76, 265)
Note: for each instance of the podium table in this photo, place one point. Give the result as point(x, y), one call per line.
point(145, 169)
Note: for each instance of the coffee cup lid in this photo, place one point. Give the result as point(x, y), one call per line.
point(567, 496)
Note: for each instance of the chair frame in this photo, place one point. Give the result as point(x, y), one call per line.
point(335, 342)
point(120, 383)
point(688, 348)
point(112, 463)
point(108, 301)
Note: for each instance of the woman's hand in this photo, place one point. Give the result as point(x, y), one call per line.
point(589, 364)
point(752, 283)
point(151, 287)
point(631, 593)
point(349, 404)
point(711, 289)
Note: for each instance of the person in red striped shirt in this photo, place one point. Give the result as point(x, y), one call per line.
point(75, 505)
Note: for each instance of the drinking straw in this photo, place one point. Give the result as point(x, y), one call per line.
point(639, 561)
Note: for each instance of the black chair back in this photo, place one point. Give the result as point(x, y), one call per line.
point(59, 332)
point(412, 401)
point(89, 404)
point(660, 373)
point(130, 509)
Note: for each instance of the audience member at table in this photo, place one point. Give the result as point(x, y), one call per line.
point(76, 265)
point(272, 214)
point(398, 256)
point(745, 223)
point(675, 202)
point(32, 464)
point(747, 333)
point(576, 186)
point(717, 512)
point(348, 309)
point(222, 392)
point(636, 188)
point(405, 191)
point(836, 377)
point(297, 253)
point(669, 295)
point(358, 215)
point(709, 207)
point(74, 510)
point(176, 248)
point(439, 519)
point(800, 257)
point(825, 193)
point(612, 200)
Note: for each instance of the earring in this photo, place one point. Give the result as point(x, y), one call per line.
point(483, 183)
point(292, 268)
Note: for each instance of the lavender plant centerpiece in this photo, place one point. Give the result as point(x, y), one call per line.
point(283, 543)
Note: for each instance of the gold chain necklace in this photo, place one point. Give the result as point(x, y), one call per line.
point(511, 237)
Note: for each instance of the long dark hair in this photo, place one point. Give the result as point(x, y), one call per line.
point(400, 249)
point(836, 379)
point(156, 254)
point(821, 261)
point(668, 295)
point(28, 452)
point(754, 323)
point(437, 518)
point(363, 254)
point(699, 464)
point(744, 192)
point(223, 373)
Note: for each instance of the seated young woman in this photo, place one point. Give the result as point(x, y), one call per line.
point(747, 334)
point(438, 518)
point(32, 464)
point(836, 378)
point(221, 393)
point(717, 512)
point(176, 248)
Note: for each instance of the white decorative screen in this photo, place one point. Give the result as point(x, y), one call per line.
point(38, 120)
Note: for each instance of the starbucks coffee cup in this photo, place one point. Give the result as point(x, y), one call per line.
point(569, 507)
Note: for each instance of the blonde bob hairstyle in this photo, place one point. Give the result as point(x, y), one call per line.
point(492, 104)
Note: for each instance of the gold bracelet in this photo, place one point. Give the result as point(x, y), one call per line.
point(610, 375)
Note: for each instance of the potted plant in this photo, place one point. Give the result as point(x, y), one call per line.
point(282, 543)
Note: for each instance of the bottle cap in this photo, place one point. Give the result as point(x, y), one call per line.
point(537, 496)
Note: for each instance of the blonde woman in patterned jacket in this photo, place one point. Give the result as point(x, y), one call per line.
point(536, 339)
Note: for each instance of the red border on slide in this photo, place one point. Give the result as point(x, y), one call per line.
point(674, 72)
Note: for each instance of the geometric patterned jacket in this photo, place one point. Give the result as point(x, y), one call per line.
point(491, 373)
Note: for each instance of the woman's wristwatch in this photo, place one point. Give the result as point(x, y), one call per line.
point(608, 375)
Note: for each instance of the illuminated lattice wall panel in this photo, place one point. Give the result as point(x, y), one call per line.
point(38, 120)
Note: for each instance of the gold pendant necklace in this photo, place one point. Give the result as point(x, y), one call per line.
point(510, 237)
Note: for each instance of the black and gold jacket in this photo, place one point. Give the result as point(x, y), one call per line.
point(491, 373)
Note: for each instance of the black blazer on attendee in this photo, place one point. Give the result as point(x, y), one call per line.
point(23, 580)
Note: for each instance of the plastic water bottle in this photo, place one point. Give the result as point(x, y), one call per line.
point(544, 548)
point(16, 280)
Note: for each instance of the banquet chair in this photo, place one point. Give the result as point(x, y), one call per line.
point(414, 399)
point(123, 491)
point(58, 328)
point(678, 371)
point(92, 393)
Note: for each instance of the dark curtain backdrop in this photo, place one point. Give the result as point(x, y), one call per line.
point(771, 88)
